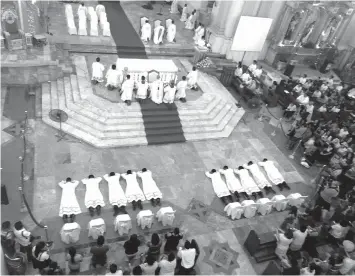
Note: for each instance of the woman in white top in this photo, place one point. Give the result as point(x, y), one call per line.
point(219, 186)
point(134, 193)
point(283, 242)
point(299, 237)
point(150, 188)
point(93, 195)
point(40, 256)
point(69, 205)
point(116, 194)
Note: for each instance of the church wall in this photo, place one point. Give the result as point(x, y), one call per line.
point(348, 36)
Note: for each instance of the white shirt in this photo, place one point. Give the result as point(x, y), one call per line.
point(298, 239)
point(22, 236)
point(297, 88)
point(302, 80)
point(252, 67)
point(338, 231)
point(303, 99)
point(187, 257)
point(317, 94)
point(238, 72)
point(245, 77)
point(309, 108)
point(257, 73)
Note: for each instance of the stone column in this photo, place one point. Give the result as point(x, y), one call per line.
point(20, 14)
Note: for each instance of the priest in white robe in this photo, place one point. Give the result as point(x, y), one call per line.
point(113, 78)
point(82, 9)
point(192, 79)
point(134, 193)
point(184, 13)
point(274, 174)
point(116, 194)
point(219, 187)
point(142, 90)
point(247, 182)
point(69, 205)
point(93, 195)
point(97, 71)
point(199, 33)
point(99, 9)
point(181, 90)
point(170, 37)
point(190, 23)
point(146, 31)
point(150, 188)
point(169, 93)
point(157, 91)
point(253, 66)
point(158, 34)
point(233, 182)
point(127, 90)
point(258, 176)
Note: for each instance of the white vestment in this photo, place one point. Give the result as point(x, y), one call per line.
point(69, 203)
point(82, 26)
point(94, 25)
point(158, 34)
point(157, 91)
point(181, 90)
point(169, 94)
point(199, 33)
point(146, 32)
point(99, 9)
point(142, 90)
point(192, 79)
point(174, 7)
point(133, 191)
point(272, 172)
point(258, 176)
point(232, 181)
point(97, 71)
point(127, 90)
point(252, 67)
point(218, 184)
point(82, 10)
point(183, 14)
point(116, 194)
point(150, 188)
point(247, 182)
point(93, 195)
point(171, 33)
point(190, 23)
point(113, 77)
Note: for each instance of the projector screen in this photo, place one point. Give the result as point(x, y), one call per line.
point(251, 34)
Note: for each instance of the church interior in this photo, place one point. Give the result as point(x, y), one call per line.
point(177, 137)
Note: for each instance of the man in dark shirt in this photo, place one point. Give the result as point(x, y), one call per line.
point(172, 240)
point(99, 252)
point(131, 247)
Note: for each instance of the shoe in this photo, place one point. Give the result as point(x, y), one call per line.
point(98, 210)
point(134, 204)
point(65, 218)
point(140, 205)
point(91, 211)
point(153, 202)
point(116, 210)
point(72, 218)
point(158, 202)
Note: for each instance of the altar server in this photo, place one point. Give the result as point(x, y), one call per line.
point(157, 91)
point(116, 194)
point(184, 14)
point(273, 174)
point(190, 23)
point(93, 195)
point(181, 90)
point(127, 90)
point(233, 183)
point(219, 186)
point(146, 31)
point(134, 193)
point(150, 188)
point(258, 176)
point(97, 71)
point(113, 78)
point(169, 93)
point(247, 182)
point(142, 90)
point(158, 34)
point(171, 32)
point(69, 205)
point(199, 33)
point(192, 79)
point(82, 9)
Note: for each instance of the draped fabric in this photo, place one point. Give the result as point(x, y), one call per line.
point(235, 210)
point(97, 227)
point(145, 219)
point(70, 232)
point(166, 215)
point(123, 224)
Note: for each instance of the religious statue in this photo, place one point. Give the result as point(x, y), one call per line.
point(328, 32)
point(295, 20)
point(174, 7)
point(307, 33)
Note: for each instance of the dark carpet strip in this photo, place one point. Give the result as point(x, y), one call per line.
point(162, 122)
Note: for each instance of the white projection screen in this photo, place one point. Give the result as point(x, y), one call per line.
point(251, 34)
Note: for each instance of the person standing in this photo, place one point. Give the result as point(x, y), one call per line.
point(97, 71)
point(7, 238)
point(172, 240)
point(181, 90)
point(167, 265)
point(146, 31)
point(154, 246)
point(127, 90)
point(99, 252)
point(184, 13)
point(283, 242)
point(24, 238)
point(150, 265)
point(40, 256)
point(131, 247)
point(170, 37)
point(299, 237)
point(187, 256)
point(192, 79)
point(158, 34)
point(69, 205)
point(74, 259)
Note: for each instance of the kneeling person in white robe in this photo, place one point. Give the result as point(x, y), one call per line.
point(157, 91)
point(233, 183)
point(146, 31)
point(97, 71)
point(113, 78)
point(127, 90)
point(170, 37)
point(93, 195)
point(169, 93)
point(202, 44)
point(134, 193)
point(259, 178)
point(181, 90)
point(219, 186)
point(192, 79)
point(116, 194)
point(142, 90)
point(274, 174)
point(150, 188)
point(247, 182)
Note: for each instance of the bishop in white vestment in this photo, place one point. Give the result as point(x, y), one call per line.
point(158, 34)
point(113, 78)
point(274, 174)
point(192, 79)
point(142, 90)
point(181, 90)
point(169, 93)
point(157, 91)
point(219, 187)
point(247, 182)
point(184, 14)
point(93, 195)
point(97, 71)
point(116, 194)
point(258, 176)
point(146, 31)
point(150, 188)
point(69, 204)
point(134, 193)
point(127, 90)
point(170, 37)
point(232, 181)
